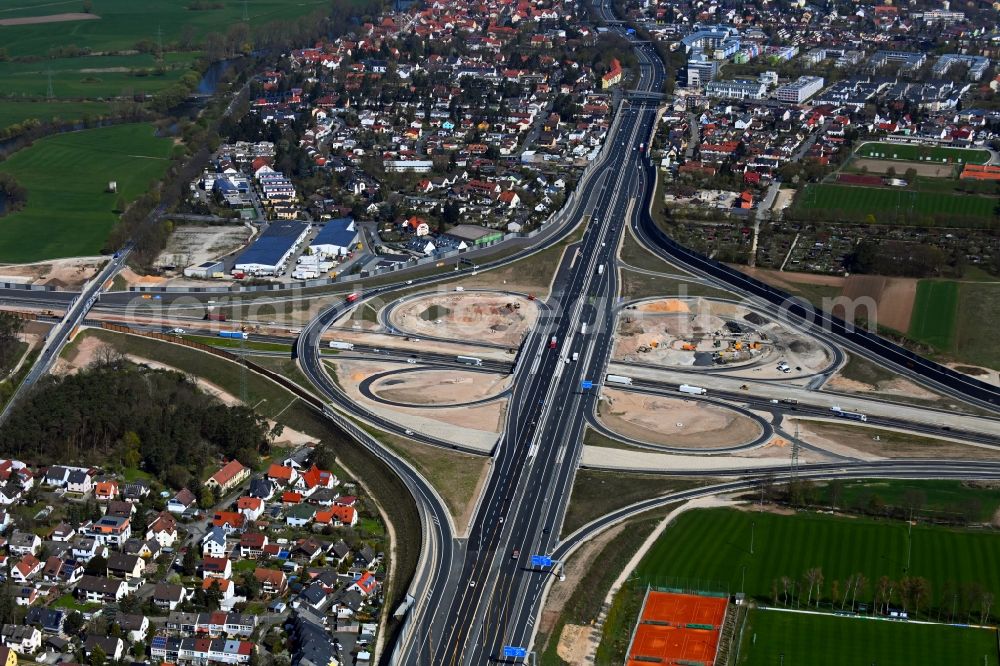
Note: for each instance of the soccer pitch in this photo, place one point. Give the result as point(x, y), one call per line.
point(876, 200)
point(775, 637)
point(910, 153)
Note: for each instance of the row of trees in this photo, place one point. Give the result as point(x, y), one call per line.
point(967, 602)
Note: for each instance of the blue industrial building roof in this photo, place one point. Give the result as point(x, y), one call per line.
point(335, 232)
point(273, 244)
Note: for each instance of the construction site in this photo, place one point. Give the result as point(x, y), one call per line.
point(700, 333)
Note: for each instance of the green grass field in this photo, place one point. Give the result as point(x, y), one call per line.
point(92, 76)
point(934, 311)
point(833, 641)
point(911, 153)
point(974, 339)
point(122, 23)
point(15, 112)
point(69, 211)
point(874, 200)
point(710, 548)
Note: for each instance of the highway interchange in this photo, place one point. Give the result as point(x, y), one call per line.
point(471, 595)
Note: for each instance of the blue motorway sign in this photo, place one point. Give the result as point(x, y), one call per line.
point(541, 561)
point(514, 651)
point(586, 384)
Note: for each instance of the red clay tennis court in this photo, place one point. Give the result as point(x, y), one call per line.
point(677, 629)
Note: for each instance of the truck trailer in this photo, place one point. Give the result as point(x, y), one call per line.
point(619, 379)
point(235, 335)
point(854, 416)
point(692, 390)
point(469, 360)
point(335, 344)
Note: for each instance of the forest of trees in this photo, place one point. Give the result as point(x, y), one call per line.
point(120, 414)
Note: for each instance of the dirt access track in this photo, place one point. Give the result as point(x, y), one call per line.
point(49, 18)
point(65, 273)
point(675, 421)
point(486, 316)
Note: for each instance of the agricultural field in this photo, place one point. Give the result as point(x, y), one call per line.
point(122, 23)
point(912, 153)
point(875, 200)
point(15, 112)
point(92, 76)
point(773, 637)
point(65, 216)
point(974, 339)
point(709, 549)
point(934, 310)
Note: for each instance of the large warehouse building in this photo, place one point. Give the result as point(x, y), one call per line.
point(272, 249)
point(336, 239)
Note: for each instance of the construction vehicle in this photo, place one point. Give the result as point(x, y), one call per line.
point(687, 346)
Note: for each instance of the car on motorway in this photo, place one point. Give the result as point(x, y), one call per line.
point(516, 553)
point(177, 331)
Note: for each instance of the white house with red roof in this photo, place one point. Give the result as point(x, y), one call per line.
point(231, 475)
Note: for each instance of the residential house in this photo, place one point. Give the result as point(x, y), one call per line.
point(163, 529)
point(147, 550)
point(112, 647)
point(105, 491)
point(8, 657)
point(125, 566)
point(213, 544)
point(51, 620)
point(366, 558)
point(100, 590)
point(111, 530)
point(134, 626)
point(300, 515)
point(25, 595)
point(169, 596)
point(315, 478)
point(230, 521)
point(216, 567)
point(271, 581)
point(251, 507)
point(281, 474)
point(23, 543)
point(231, 475)
point(366, 585)
point(20, 638)
point(26, 568)
point(252, 544)
point(182, 502)
point(226, 589)
point(58, 570)
point(63, 532)
point(261, 488)
point(79, 481)
point(135, 491)
point(56, 477)
point(85, 548)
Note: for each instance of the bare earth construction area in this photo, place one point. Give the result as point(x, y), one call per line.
point(482, 315)
point(438, 387)
point(675, 422)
